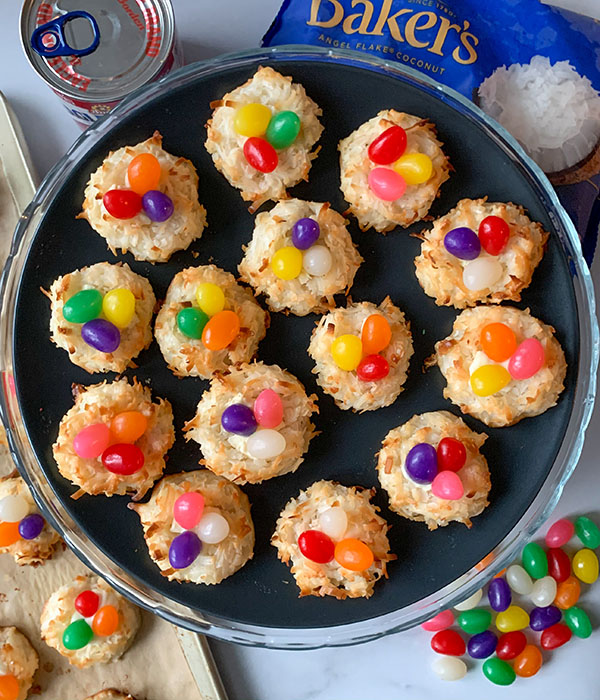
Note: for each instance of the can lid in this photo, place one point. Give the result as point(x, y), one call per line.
point(102, 53)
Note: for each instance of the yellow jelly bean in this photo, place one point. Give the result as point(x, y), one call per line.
point(287, 263)
point(512, 619)
point(118, 306)
point(585, 565)
point(347, 351)
point(488, 379)
point(210, 298)
point(415, 168)
point(252, 119)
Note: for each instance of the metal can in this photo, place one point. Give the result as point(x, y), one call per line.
point(93, 58)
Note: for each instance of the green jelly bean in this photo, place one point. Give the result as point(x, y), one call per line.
point(535, 561)
point(498, 671)
point(84, 306)
point(475, 621)
point(191, 322)
point(578, 622)
point(588, 532)
point(77, 635)
point(283, 129)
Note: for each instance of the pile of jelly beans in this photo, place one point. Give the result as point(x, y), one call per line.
point(95, 620)
point(427, 465)
point(289, 261)
point(266, 414)
point(9, 687)
point(551, 580)
point(388, 149)
point(280, 130)
point(216, 326)
point(462, 242)
point(351, 353)
point(514, 361)
point(16, 522)
point(114, 444)
point(199, 527)
point(143, 175)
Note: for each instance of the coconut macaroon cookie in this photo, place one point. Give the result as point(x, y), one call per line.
point(300, 255)
point(208, 322)
point(144, 200)
point(501, 365)
point(335, 541)
point(18, 663)
point(198, 527)
point(433, 471)
point(261, 134)
point(110, 694)
point(362, 354)
point(101, 316)
point(114, 439)
point(392, 168)
point(480, 251)
point(88, 622)
point(253, 423)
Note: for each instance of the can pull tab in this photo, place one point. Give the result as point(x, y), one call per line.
point(49, 39)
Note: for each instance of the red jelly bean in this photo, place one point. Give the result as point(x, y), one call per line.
point(451, 454)
point(122, 204)
point(388, 146)
point(87, 603)
point(373, 367)
point(123, 459)
point(448, 642)
point(260, 154)
point(559, 564)
point(316, 546)
point(493, 234)
point(510, 645)
point(555, 636)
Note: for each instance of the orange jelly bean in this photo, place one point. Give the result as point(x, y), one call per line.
point(498, 341)
point(9, 687)
point(567, 593)
point(528, 662)
point(105, 621)
point(353, 554)
point(128, 426)
point(221, 330)
point(376, 334)
point(144, 173)
point(9, 534)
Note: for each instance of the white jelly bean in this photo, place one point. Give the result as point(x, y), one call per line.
point(13, 509)
point(470, 602)
point(212, 528)
point(317, 260)
point(334, 522)
point(265, 444)
point(482, 273)
point(543, 592)
point(519, 580)
point(449, 668)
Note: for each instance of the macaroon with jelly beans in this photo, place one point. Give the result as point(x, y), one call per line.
point(261, 134)
point(501, 365)
point(197, 526)
point(208, 322)
point(101, 316)
point(480, 251)
point(87, 622)
point(253, 423)
point(300, 255)
point(392, 168)
point(114, 439)
point(433, 471)
point(144, 200)
point(18, 663)
point(361, 354)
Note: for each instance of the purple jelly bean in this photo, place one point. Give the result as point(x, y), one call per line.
point(184, 549)
point(31, 526)
point(542, 618)
point(463, 243)
point(305, 233)
point(421, 463)
point(482, 645)
point(102, 335)
point(499, 595)
point(239, 419)
point(158, 206)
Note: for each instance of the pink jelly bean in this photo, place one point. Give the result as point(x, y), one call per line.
point(91, 442)
point(440, 622)
point(447, 485)
point(527, 359)
point(560, 533)
point(268, 409)
point(188, 509)
point(386, 184)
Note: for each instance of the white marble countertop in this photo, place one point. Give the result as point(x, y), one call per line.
point(396, 666)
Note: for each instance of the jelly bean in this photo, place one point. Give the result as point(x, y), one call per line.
point(210, 298)
point(421, 463)
point(221, 330)
point(498, 671)
point(544, 591)
point(482, 274)
point(499, 595)
point(588, 532)
point(252, 119)
point(128, 426)
point(31, 526)
point(559, 565)
point(191, 322)
point(527, 359)
point(260, 155)
point(449, 668)
point(555, 636)
point(498, 341)
point(334, 522)
point(475, 621)
point(388, 146)
point(471, 602)
point(449, 643)
point(9, 687)
point(188, 509)
point(376, 334)
point(143, 173)
point(9, 534)
point(451, 454)
point(184, 550)
point(158, 206)
point(489, 379)
point(463, 243)
point(578, 622)
point(118, 306)
point(213, 528)
point(239, 419)
point(84, 306)
point(560, 533)
point(90, 442)
point(106, 621)
point(510, 645)
point(519, 580)
point(493, 234)
point(386, 184)
point(305, 232)
point(534, 560)
point(283, 129)
point(287, 263)
point(123, 459)
point(122, 204)
point(317, 261)
point(511, 619)
point(585, 565)
point(265, 444)
point(542, 618)
point(346, 351)
point(268, 409)
point(316, 546)
point(87, 603)
point(567, 593)
point(101, 335)
point(77, 635)
point(441, 621)
point(529, 661)
point(482, 645)
point(353, 554)
point(448, 486)
point(415, 168)
point(13, 508)
point(372, 368)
